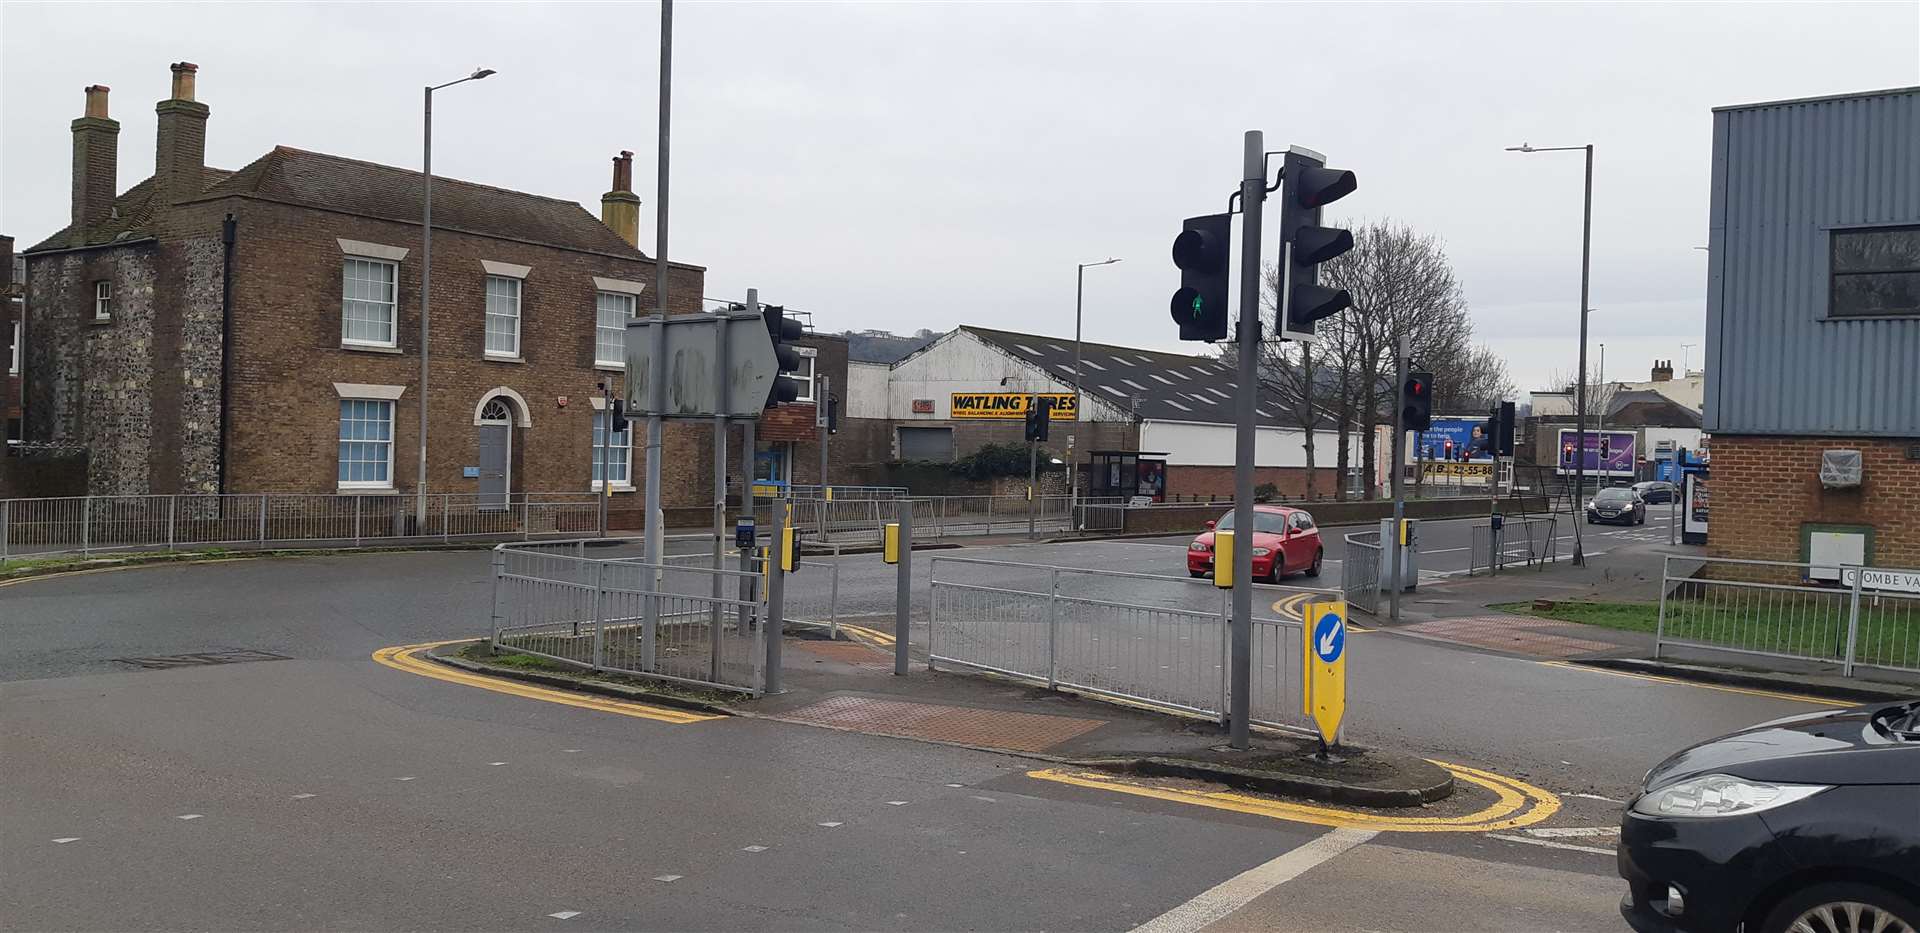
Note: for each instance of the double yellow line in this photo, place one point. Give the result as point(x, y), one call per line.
point(406, 658)
point(869, 635)
point(1516, 803)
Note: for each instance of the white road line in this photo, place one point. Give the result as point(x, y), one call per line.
point(1236, 892)
point(668, 878)
point(896, 803)
point(303, 796)
point(571, 751)
point(986, 799)
point(63, 840)
point(829, 825)
point(407, 778)
point(956, 785)
point(753, 848)
point(1593, 797)
point(188, 816)
point(1571, 832)
point(564, 914)
point(1591, 850)
point(495, 764)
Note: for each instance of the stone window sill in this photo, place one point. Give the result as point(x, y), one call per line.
point(503, 358)
point(369, 348)
point(368, 491)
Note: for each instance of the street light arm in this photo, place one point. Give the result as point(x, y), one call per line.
point(478, 73)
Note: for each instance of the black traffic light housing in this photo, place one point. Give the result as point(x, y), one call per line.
point(619, 420)
point(1566, 453)
point(1201, 254)
point(833, 414)
point(1307, 185)
point(1039, 412)
point(784, 330)
point(1503, 429)
point(1416, 402)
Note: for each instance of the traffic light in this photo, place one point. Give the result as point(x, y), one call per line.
point(1416, 402)
point(833, 414)
point(784, 330)
point(1606, 449)
point(1503, 429)
point(1306, 186)
point(1566, 454)
point(619, 421)
point(1038, 413)
point(1200, 252)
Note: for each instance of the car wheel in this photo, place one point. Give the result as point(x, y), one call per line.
point(1842, 908)
point(1196, 574)
point(1314, 570)
point(1274, 571)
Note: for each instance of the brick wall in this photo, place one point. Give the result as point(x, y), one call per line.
point(1764, 488)
point(1218, 480)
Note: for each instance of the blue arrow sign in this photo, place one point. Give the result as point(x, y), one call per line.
point(1330, 637)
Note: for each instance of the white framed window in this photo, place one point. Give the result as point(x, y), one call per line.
point(611, 312)
point(13, 367)
point(615, 461)
point(366, 443)
point(368, 300)
point(803, 377)
point(103, 300)
point(503, 316)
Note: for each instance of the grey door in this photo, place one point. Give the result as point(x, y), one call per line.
point(496, 442)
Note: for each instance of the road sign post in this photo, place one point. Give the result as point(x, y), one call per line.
point(1323, 693)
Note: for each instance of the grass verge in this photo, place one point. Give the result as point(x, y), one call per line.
point(1808, 622)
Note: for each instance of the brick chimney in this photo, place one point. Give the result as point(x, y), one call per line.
point(620, 207)
point(1662, 370)
point(180, 145)
point(96, 155)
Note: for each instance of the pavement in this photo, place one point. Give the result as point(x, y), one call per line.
point(237, 789)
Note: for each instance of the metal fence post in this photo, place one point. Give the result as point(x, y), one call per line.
point(5, 508)
point(599, 615)
point(1660, 622)
point(499, 593)
point(446, 516)
point(526, 517)
point(263, 518)
point(1853, 625)
point(833, 598)
point(1053, 628)
point(86, 522)
point(356, 521)
point(173, 503)
point(903, 594)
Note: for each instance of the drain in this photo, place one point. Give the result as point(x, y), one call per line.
point(201, 659)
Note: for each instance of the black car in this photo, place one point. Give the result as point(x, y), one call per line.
point(1655, 491)
point(1618, 505)
point(1809, 824)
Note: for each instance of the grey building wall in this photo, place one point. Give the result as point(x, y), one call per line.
point(1785, 175)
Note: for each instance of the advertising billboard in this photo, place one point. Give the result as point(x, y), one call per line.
point(1608, 453)
point(1007, 405)
point(1451, 440)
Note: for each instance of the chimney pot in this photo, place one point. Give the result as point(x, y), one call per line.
point(620, 207)
point(97, 101)
point(183, 73)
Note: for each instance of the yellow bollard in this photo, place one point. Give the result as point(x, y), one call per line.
point(1223, 559)
point(890, 552)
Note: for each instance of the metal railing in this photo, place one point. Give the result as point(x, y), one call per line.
point(1529, 542)
point(1773, 609)
point(1360, 571)
point(1164, 645)
point(84, 524)
point(863, 521)
point(658, 621)
point(843, 491)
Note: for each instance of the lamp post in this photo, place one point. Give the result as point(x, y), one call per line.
point(1073, 468)
point(426, 286)
point(1580, 402)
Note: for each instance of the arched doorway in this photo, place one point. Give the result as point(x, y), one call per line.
point(494, 419)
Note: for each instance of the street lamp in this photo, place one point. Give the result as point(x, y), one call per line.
point(1073, 471)
point(426, 285)
point(1580, 402)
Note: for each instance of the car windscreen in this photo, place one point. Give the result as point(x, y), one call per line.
point(1267, 522)
point(1614, 495)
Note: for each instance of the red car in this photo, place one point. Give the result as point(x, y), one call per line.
point(1284, 541)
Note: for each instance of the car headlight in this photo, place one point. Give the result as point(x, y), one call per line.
point(1197, 546)
point(1721, 795)
point(1590, 503)
point(1262, 552)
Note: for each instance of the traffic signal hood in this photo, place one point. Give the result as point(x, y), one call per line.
point(1416, 402)
point(1039, 412)
point(784, 330)
point(1200, 252)
point(1307, 185)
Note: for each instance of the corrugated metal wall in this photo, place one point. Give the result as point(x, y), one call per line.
point(1784, 175)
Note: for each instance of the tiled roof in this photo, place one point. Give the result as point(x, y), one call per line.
point(132, 212)
point(368, 189)
point(1169, 386)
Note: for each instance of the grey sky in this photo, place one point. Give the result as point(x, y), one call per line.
point(924, 165)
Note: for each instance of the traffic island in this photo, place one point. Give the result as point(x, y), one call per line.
point(1359, 777)
point(479, 657)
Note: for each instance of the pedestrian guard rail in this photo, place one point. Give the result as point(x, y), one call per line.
point(862, 522)
point(84, 524)
point(1360, 571)
point(1160, 642)
point(1523, 542)
point(1869, 617)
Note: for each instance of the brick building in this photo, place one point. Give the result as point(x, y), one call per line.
point(258, 330)
point(787, 438)
point(1813, 327)
point(13, 317)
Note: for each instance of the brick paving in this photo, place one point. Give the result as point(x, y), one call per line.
point(1517, 634)
point(1027, 732)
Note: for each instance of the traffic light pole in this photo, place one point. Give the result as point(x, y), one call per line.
point(655, 534)
point(1253, 194)
point(1033, 475)
point(1399, 500)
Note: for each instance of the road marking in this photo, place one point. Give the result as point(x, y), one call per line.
point(1592, 850)
point(1570, 832)
point(896, 803)
point(404, 658)
point(571, 751)
point(830, 825)
point(1221, 900)
point(872, 635)
point(142, 565)
point(303, 796)
point(564, 914)
point(1592, 797)
point(1724, 688)
point(668, 878)
point(1518, 803)
point(984, 799)
point(188, 816)
point(407, 778)
point(63, 840)
point(753, 848)
point(956, 785)
point(495, 764)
